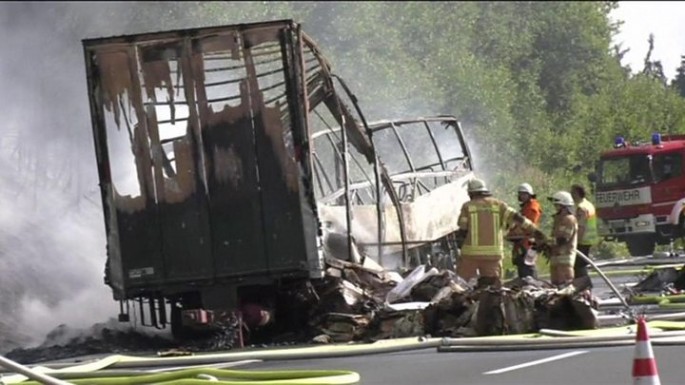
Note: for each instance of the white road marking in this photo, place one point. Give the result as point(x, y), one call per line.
point(542, 361)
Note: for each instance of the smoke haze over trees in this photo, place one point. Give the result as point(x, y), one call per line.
point(538, 86)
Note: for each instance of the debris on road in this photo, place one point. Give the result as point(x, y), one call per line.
point(667, 280)
point(359, 303)
point(362, 302)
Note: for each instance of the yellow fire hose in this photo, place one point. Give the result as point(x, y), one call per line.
point(645, 270)
point(582, 339)
point(667, 304)
point(202, 376)
point(237, 377)
point(104, 371)
point(657, 299)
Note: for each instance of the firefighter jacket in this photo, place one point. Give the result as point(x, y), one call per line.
point(587, 218)
point(564, 226)
point(485, 219)
point(532, 211)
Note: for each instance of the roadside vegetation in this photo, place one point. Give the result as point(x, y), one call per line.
point(539, 87)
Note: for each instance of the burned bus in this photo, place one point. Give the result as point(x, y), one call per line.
point(231, 159)
point(429, 164)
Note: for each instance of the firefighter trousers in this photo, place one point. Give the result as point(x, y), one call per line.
point(470, 267)
point(518, 259)
point(561, 274)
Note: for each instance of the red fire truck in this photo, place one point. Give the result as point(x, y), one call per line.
point(640, 192)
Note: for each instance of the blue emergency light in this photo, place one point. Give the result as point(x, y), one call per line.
point(656, 138)
point(619, 142)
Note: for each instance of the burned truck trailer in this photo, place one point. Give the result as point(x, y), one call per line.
point(214, 190)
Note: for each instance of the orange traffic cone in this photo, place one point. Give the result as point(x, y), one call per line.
point(644, 365)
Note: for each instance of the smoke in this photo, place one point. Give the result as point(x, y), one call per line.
point(483, 170)
point(52, 235)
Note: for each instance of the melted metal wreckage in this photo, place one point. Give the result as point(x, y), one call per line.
point(234, 167)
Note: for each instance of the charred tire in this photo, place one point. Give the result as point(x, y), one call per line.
point(641, 245)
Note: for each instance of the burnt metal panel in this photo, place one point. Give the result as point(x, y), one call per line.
point(222, 178)
point(290, 224)
point(233, 181)
point(133, 236)
point(183, 206)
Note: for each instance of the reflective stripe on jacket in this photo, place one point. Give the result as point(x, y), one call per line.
point(587, 216)
point(484, 219)
point(565, 226)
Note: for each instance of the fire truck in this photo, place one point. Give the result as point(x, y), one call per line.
point(639, 192)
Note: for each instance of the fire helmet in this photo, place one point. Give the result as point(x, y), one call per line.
point(477, 185)
point(526, 188)
point(562, 198)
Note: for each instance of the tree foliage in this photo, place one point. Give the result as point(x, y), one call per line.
point(538, 86)
point(678, 83)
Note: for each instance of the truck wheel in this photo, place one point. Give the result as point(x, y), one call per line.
point(641, 245)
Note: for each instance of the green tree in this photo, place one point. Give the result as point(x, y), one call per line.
point(678, 83)
point(653, 68)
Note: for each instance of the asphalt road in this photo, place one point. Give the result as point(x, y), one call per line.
point(563, 366)
point(602, 290)
point(605, 366)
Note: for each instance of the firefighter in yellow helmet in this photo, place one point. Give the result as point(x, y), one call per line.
point(561, 248)
point(482, 222)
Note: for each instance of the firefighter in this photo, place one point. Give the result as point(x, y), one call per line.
point(523, 256)
point(562, 245)
point(587, 228)
point(481, 224)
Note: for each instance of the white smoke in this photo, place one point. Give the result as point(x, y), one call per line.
point(52, 234)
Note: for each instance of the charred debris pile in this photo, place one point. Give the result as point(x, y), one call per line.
point(363, 302)
point(666, 281)
point(112, 337)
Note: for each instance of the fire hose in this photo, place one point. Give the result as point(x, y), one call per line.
point(547, 339)
point(657, 299)
point(606, 279)
point(563, 340)
point(201, 376)
point(93, 373)
point(35, 375)
point(88, 373)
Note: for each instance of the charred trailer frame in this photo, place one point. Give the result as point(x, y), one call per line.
point(203, 148)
